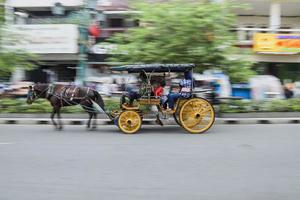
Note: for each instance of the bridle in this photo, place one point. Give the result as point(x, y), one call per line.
point(32, 93)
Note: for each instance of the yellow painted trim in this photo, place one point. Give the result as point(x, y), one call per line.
point(129, 122)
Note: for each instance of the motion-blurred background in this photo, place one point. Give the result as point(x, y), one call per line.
point(247, 51)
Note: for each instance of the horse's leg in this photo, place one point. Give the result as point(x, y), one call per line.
point(85, 105)
point(60, 125)
point(52, 117)
point(94, 121)
point(88, 125)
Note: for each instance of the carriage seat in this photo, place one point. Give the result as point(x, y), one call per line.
point(152, 100)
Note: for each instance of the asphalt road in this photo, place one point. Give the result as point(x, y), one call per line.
point(234, 162)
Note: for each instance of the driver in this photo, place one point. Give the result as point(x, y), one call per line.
point(134, 94)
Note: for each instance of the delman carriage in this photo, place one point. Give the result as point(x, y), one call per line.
point(192, 113)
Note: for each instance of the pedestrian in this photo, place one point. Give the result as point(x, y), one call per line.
point(288, 93)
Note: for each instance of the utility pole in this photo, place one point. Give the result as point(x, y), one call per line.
point(83, 57)
point(90, 7)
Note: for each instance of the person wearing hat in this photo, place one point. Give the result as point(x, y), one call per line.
point(136, 93)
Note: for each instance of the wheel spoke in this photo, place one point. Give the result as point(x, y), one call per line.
point(129, 121)
point(196, 115)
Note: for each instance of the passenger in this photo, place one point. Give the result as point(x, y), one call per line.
point(186, 85)
point(158, 89)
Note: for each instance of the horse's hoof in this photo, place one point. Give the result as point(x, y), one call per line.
point(91, 128)
point(60, 128)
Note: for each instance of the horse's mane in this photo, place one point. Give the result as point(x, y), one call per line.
point(40, 86)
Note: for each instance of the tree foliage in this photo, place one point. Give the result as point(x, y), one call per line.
point(10, 58)
point(179, 32)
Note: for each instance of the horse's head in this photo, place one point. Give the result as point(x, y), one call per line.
point(31, 95)
point(36, 91)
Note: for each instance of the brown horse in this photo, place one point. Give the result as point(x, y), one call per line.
point(67, 95)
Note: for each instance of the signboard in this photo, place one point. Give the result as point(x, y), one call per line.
point(103, 49)
point(276, 43)
point(47, 39)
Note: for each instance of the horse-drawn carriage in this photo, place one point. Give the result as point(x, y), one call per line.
point(195, 115)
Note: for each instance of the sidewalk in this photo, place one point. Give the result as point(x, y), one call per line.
point(80, 119)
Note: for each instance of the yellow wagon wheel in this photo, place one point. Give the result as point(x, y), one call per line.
point(129, 122)
point(197, 115)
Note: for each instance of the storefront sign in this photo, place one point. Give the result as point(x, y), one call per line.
point(103, 49)
point(276, 43)
point(47, 39)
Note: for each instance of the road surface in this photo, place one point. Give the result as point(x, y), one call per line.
point(234, 162)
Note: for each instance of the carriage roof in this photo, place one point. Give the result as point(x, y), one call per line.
point(154, 68)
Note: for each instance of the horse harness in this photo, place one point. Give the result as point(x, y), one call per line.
point(66, 94)
point(50, 91)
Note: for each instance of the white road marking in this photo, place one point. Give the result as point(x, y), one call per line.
point(5, 143)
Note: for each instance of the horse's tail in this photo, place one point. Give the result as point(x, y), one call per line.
point(98, 99)
point(100, 105)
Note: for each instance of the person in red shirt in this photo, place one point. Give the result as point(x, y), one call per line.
point(158, 91)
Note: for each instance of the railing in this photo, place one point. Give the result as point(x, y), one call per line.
point(245, 35)
point(107, 32)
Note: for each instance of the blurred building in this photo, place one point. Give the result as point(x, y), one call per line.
point(274, 49)
point(115, 20)
point(269, 33)
point(56, 45)
point(43, 29)
point(280, 18)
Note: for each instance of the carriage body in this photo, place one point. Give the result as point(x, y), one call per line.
point(194, 114)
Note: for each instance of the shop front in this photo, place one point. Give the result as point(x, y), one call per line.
point(56, 49)
point(278, 54)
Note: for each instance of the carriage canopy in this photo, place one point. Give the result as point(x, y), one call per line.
point(154, 68)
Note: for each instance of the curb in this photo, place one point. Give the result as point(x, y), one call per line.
point(292, 120)
point(231, 121)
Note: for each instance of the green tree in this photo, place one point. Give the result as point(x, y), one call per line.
point(10, 59)
point(181, 32)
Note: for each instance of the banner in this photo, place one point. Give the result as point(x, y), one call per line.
point(47, 38)
point(103, 49)
point(276, 43)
